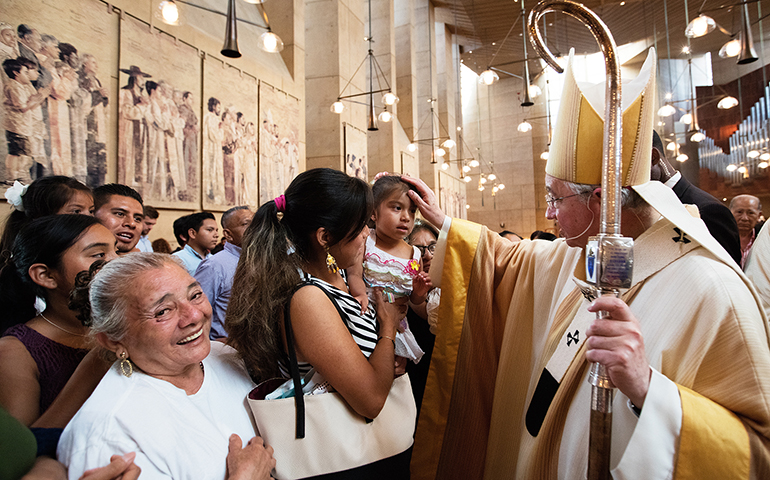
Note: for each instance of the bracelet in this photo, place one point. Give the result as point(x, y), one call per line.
point(389, 338)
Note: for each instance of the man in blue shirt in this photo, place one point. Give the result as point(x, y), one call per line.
point(202, 236)
point(150, 219)
point(216, 273)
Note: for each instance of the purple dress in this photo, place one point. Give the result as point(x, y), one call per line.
point(55, 362)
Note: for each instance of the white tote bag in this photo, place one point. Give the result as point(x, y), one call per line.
point(336, 437)
point(327, 435)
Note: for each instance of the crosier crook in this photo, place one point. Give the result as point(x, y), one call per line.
point(613, 252)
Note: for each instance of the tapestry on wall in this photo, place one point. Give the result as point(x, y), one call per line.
point(279, 147)
point(410, 165)
point(230, 144)
point(159, 128)
point(451, 195)
point(356, 159)
point(56, 89)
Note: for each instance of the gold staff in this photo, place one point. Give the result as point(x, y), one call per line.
point(611, 251)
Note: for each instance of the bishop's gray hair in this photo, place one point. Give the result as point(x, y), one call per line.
point(628, 197)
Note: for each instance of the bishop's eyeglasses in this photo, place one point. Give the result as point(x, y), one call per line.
point(553, 201)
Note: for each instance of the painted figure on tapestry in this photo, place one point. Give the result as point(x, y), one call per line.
point(158, 138)
point(94, 110)
point(213, 154)
point(190, 137)
point(134, 107)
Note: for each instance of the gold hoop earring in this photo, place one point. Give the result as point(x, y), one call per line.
point(331, 262)
point(125, 364)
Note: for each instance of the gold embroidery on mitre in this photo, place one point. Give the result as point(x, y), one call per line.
point(630, 140)
point(589, 144)
point(588, 147)
point(578, 139)
point(561, 160)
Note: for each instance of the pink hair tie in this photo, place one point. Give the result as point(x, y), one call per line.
point(280, 203)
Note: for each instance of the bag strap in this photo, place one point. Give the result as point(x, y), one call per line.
point(299, 400)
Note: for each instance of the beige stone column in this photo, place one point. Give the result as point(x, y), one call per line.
point(334, 48)
point(406, 64)
point(446, 89)
point(427, 91)
point(383, 152)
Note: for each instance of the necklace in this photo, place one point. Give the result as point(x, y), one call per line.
point(62, 328)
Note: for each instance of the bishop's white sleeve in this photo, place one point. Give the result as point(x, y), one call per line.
point(653, 444)
point(437, 264)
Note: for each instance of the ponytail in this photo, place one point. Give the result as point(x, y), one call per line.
point(276, 246)
point(265, 275)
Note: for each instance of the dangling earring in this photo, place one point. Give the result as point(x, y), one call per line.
point(331, 262)
point(125, 364)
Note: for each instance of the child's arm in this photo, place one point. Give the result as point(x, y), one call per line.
point(421, 285)
point(15, 102)
point(356, 284)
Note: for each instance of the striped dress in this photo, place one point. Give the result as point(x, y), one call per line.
point(363, 328)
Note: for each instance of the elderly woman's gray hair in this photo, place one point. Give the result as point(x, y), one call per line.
point(108, 291)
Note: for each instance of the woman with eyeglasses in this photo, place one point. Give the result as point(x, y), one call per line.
point(424, 236)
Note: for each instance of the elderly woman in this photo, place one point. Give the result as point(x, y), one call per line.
point(172, 397)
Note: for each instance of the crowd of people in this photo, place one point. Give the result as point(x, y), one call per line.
point(121, 360)
point(81, 280)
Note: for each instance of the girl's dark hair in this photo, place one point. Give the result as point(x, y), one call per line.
point(385, 187)
point(267, 273)
point(44, 196)
point(43, 240)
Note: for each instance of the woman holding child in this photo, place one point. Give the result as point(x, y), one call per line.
point(321, 220)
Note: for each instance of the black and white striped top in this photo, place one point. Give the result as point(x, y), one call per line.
point(363, 328)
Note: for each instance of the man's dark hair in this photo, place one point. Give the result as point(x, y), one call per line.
point(213, 102)
point(180, 229)
point(150, 86)
point(541, 235)
point(508, 232)
point(228, 214)
point(102, 194)
point(657, 144)
point(26, 62)
point(12, 67)
point(196, 220)
point(23, 30)
point(186, 95)
point(151, 212)
point(66, 50)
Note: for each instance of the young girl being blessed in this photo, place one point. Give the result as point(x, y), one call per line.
point(389, 261)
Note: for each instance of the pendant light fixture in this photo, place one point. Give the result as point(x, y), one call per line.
point(169, 12)
point(375, 72)
point(230, 48)
point(742, 44)
point(527, 102)
point(748, 54)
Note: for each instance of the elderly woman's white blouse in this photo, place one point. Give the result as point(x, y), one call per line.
point(174, 435)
